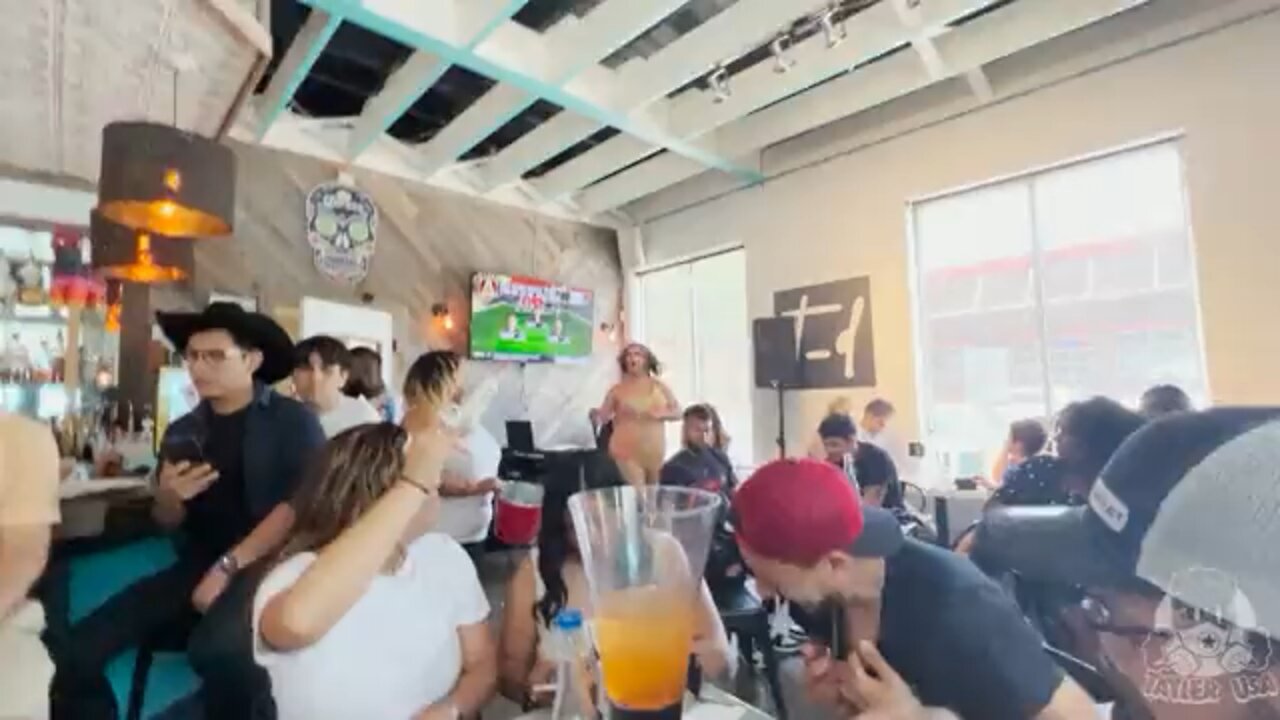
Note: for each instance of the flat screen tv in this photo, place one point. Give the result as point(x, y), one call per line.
point(524, 319)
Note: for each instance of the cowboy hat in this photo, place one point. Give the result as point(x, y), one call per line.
point(254, 330)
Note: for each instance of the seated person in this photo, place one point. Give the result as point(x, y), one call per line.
point(226, 473)
point(842, 405)
point(1161, 400)
point(1087, 434)
point(699, 464)
point(28, 509)
point(433, 386)
point(321, 368)
point(881, 486)
point(550, 579)
point(1179, 592)
point(952, 634)
point(1041, 480)
point(1025, 440)
point(368, 614)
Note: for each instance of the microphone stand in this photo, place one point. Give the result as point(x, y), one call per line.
point(782, 420)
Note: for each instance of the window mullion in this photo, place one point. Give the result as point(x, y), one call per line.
point(1037, 285)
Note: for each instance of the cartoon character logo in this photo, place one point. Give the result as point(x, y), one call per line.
point(341, 223)
point(1205, 653)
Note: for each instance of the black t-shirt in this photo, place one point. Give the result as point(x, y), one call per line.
point(959, 640)
point(710, 469)
point(219, 517)
point(874, 467)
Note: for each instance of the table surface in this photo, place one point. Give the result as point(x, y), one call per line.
point(74, 489)
point(715, 704)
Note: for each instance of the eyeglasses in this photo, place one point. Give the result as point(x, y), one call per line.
point(1100, 617)
point(213, 357)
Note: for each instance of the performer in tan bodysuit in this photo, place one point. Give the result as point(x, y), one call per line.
point(639, 404)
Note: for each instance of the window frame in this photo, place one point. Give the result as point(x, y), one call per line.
point(1040, 303)
point(743, 446)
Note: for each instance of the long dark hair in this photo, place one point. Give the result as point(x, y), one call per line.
point(1090, 431)
point(554, 548)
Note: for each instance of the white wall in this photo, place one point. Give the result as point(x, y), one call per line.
point(835, 205)
point(24, 200)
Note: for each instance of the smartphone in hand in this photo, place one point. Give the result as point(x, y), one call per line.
point(828, 626)
point(183, 449)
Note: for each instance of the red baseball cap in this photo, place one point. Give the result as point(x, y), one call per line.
point(797, 511)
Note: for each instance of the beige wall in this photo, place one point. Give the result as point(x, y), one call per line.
point(837, 207)
point(429, 242)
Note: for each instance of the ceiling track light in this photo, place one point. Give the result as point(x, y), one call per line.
point(718, 81)
point(834, 33)
point(782, 62)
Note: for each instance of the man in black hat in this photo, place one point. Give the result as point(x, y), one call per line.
point(226, 471)
point(1173, 561)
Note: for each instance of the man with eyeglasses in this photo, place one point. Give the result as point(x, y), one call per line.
point(227, 470)
point(1174, 562)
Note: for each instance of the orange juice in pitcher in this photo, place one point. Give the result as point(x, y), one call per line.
point(644, 637)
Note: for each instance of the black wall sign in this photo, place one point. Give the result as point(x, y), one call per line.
point(833, 332)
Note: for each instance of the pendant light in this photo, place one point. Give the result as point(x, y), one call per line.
point(161, 179)
point(122, 253)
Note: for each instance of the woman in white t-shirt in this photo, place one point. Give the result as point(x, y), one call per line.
point(368, 615)
point(432, 388)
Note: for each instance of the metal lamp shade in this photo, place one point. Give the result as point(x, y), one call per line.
point(121, 253)
point(156, 178)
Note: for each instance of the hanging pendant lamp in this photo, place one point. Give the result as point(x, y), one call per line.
point(159, 179)
point(121, 253)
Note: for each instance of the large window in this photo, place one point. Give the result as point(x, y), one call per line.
point(1049, 288)
point(694, 317)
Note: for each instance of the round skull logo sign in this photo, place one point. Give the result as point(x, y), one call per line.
point(341, 222)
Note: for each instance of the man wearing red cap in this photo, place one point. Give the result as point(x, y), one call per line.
point(952, 634)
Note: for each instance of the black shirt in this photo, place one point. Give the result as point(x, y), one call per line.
point(709, 469)
point(959, 640)
point(704, 468)
point(219, 517)
point(1039, 480)
point(875, 467)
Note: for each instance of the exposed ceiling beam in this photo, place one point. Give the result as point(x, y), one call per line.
point(294, 67)
point(477, 19)
point(579, 44)
point(640, 82)
point(998, 34)
point(520, 57)
point(870, 33)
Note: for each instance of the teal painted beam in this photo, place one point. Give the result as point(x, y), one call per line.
point(361, 15)
point(428, 79)
point(295, 68)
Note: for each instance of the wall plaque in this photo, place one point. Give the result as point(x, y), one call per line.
point(834, 345)
point(341, 225)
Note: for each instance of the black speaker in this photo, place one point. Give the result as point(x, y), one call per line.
point(774, 342)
